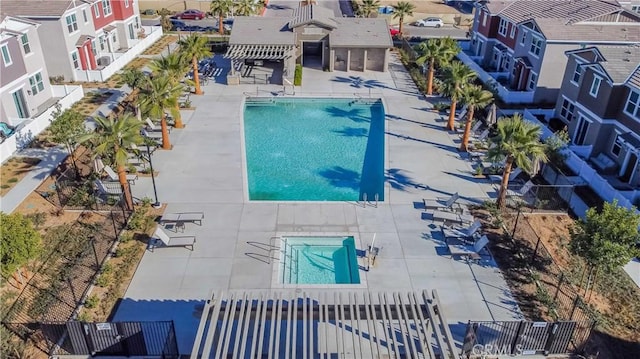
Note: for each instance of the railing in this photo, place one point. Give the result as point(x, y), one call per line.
point(153, 34)
point(505, 94)
point(27, 130)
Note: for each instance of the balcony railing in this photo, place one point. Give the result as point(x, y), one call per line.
point(507, 95)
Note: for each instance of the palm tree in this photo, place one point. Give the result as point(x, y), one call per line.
point(475, 97)
point(161, 96)
point(368, 6)
point(457, 76)
point(221, 8)
point(436, 52)
point(173, 67)
point(136, 80)
point(518, 142)
point(195, 47)
point(245, 7)
point(402, 9)
point(112, 138)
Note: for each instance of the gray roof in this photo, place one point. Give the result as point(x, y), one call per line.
point(312, 14)
point(38, 8)
point(253, 30)
point(555, 29)
point(620, 61)
point(357, 32)
point(82, 39)
point(568, 11)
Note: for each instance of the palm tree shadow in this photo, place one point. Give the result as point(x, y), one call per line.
point(354, 114)
point(352, 132)
point(399, 180)
point(359, 82)
point(341, 177)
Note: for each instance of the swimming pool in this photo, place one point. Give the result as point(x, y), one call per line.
point(307, 149)
point(318, 260)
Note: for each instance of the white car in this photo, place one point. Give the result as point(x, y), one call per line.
point(430, 22)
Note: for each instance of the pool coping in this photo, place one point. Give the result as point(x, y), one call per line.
point(275, 268)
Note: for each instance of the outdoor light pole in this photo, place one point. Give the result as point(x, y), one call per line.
point(156, 204)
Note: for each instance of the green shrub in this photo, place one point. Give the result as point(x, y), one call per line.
point(102, 280)
point(92, 301)
point(297, 77)
point(12, 180)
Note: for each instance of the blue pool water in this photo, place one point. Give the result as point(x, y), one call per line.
point(319, 260)
point(314, 149)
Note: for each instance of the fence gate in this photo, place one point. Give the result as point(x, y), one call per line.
point(517, 338)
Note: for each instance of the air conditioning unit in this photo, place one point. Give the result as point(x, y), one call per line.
point(104, 61)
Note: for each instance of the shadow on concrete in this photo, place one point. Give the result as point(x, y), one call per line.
point(399, 180)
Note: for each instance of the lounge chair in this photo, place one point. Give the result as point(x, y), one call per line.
point(152, 127)
point(178, 220)
point(172, 241)
point(110, 190)
point(463, 233)
point(470, 252)
point(512, 176)
point(522, 191)
point(452, 217)
point(114, 176)
point(441, 203)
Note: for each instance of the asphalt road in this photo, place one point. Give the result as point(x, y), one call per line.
point(429, 32)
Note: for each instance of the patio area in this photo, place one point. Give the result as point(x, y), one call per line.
point(205, 172)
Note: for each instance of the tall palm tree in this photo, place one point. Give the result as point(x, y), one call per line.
point(436, 52)
point(221, 8)
point(518, 142)
point(136, 80)
point(457, 76)
point(245, 7)
point(195, 48)
point(112, 138)
point(173, 67)
point(161, 96)
point(368, 7)
point(475, 97)
point(402, 9)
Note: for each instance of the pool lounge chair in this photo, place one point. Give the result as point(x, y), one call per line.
point(512, 176)
point(114, 176)
point(462, 233)
point(186, 241)
point(152, 127)
point(178, 220)
point(470, 252)
point(522, 191)
point(452, 217)
point(441, 203)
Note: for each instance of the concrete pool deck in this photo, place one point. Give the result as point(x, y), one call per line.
point(204, 172)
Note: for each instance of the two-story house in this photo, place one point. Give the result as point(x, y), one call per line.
point(518, 45)
point(600, 104)
point(83, 39)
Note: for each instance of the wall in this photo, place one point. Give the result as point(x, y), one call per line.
point(375, 59)
point(17, 68)
point(554, 63)
point(99, 19)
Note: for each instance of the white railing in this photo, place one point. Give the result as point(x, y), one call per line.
point(505, 94)
point(153, 33)
point(27, 131)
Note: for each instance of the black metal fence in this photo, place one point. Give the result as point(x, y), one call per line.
point(148, 339)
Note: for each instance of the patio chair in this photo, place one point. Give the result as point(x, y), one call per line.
point(152, 127)
point(441, 203)
point(474, 129)
point(186, 241)
point(463, 233)
point(512, 176)
point(178, 220)
point(108, 190)
point(452, 217)
point(470, 252)
point(114, 176)
point(521, 191)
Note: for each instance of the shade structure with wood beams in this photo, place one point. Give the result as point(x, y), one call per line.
point(260, 52)
point(325, 325)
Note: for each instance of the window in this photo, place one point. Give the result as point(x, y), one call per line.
point(484, 19)
point(595, 86)
point(617, 146)
point(36, 83)
point(96, 9)
point(72, 24)
point(531, 84)
point(536, 46)
point(114, 38)
point(523, 38)
point(635, 8)
point(577, 74)
point(632, 107)
point(94, 47)
point(6, 56)
point(84, 16)
point(24, 39)
point(581, 131)
point(126, 3)
point(74, 58)
point(513, 32)
point(502, 28)
point(567, 110)
point(106, 7)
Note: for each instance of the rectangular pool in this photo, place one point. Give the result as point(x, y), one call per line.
point(318, 260)
point(307, 149)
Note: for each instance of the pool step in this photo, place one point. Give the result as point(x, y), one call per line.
point(260, 101)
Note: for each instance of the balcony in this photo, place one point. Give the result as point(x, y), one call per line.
point(490, 79)
point(111, 62)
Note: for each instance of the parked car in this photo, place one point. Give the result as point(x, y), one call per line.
point(191, 14)
point(149, 12)
point(393, 31)
point(177, 25)
point(430, 22)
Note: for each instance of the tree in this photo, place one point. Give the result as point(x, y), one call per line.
point(368, 7)
point(173, 67)
point(112, 138)
point(402, 9)
point(245, 7)
point(165, 21)
point(436, 52)
point(475, 97)
point(607, 239)
point(65, 129)
point(457, 75)
point(221, 8)
point(517, 142)
point(161, 96)
point(195, 48)
point(136, 80)
point(20, 242)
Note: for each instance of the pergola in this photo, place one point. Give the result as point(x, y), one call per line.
point(341, 324)
point(260, 52)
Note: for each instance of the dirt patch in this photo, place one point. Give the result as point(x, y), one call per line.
point(14, 170)
point(160, 45)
